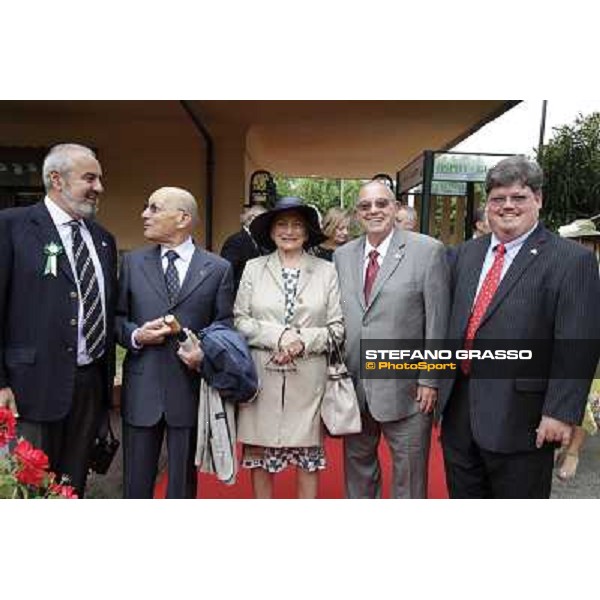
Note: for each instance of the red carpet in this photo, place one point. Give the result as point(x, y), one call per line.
point(331, 484)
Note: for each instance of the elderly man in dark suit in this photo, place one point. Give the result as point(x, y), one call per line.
point(57, 297)
point(520, 283)
point(241, 247)
point(394, 285)
point(160, 381)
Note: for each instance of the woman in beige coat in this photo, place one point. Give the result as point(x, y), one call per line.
point(287, 303)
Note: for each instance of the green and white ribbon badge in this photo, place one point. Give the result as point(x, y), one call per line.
point(52, 251)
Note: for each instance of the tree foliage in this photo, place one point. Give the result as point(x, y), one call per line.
point(571, 164)
point(321, 193)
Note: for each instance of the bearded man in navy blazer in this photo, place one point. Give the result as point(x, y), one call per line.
point(519, 283)
point(57, 297)
point(160, 381)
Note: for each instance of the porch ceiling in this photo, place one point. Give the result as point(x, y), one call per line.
point(338, 138)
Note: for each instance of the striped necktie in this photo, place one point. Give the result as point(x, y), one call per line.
point(93, 315)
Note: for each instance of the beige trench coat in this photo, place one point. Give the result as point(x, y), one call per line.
point(286, 412)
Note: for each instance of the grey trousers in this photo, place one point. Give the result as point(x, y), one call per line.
point(408, 440)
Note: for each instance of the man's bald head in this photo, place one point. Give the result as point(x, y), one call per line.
point(176, 198)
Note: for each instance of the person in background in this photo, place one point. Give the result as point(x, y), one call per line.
point(394, 285)
point(584, 232)
point(480, 223)
point(161, 382)
point(335, 226)
point(406, 218)
point(240, 247)
point(287, 306)
point(58, 287)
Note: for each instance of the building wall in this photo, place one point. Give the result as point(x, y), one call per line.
point(137, 154)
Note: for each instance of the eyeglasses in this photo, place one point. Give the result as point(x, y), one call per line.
point(497, 201)
point(155, 208)
point(379, 203)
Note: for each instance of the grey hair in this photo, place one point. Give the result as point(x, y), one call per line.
point(60, 159)
point(411, 213)
point(479, 215)
point(516, 169)
point(250, 212)
point(187, 203)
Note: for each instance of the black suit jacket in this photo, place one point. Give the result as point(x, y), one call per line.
point(238, 249)
point(155, 380)
point(38, 314)
point(550, 292)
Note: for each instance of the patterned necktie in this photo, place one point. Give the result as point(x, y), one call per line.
point(371, 274)
point(93, 316)
point(484, 298)
point(171, 276)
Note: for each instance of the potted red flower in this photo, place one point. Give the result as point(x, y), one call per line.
point(24, 469)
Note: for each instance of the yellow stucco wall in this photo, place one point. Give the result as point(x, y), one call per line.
point(137, 155)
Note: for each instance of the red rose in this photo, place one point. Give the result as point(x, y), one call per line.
point(63, 491)
point(8, 425)
point(32, 464)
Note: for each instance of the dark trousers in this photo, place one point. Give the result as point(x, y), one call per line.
point(68, 442)
point(472, 472)
point(141, 450)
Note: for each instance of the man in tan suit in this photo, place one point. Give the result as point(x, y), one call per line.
point(394, 285)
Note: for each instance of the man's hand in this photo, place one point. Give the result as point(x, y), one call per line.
point(552, 430)
point(192, 358)
point(7, 400)
point(152, 333)
point(426, 397)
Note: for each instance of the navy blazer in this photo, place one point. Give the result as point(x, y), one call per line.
point(550, 292)
point(155, 381)
point(38, 314)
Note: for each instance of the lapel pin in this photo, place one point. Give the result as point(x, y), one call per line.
point(534, 251)
point(104, 244)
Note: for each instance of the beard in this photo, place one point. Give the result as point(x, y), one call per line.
point(82, 208)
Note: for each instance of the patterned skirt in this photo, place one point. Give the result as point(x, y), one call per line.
point(275, 460)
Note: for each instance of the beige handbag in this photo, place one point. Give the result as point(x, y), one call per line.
point(339, 408)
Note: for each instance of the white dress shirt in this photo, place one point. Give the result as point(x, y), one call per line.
point(512, 249)
point(185, 252)
point(382, 249)
point(61, 220)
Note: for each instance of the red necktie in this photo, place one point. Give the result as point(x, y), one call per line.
point(371, 274)
point(486, 293)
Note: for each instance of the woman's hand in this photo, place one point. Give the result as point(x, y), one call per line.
point(281, 358)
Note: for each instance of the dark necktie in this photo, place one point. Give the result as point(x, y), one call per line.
point(484, 298)
point(371, 274)
point(171, 276)
point(93, 316)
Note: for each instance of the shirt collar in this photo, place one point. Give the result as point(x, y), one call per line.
point(184, 250)
point(382, 248)
point(58, 215)
point(516, 243)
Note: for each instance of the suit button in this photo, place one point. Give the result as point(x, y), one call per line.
point(70, 349)
point(73, 322)
point(73, 294)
